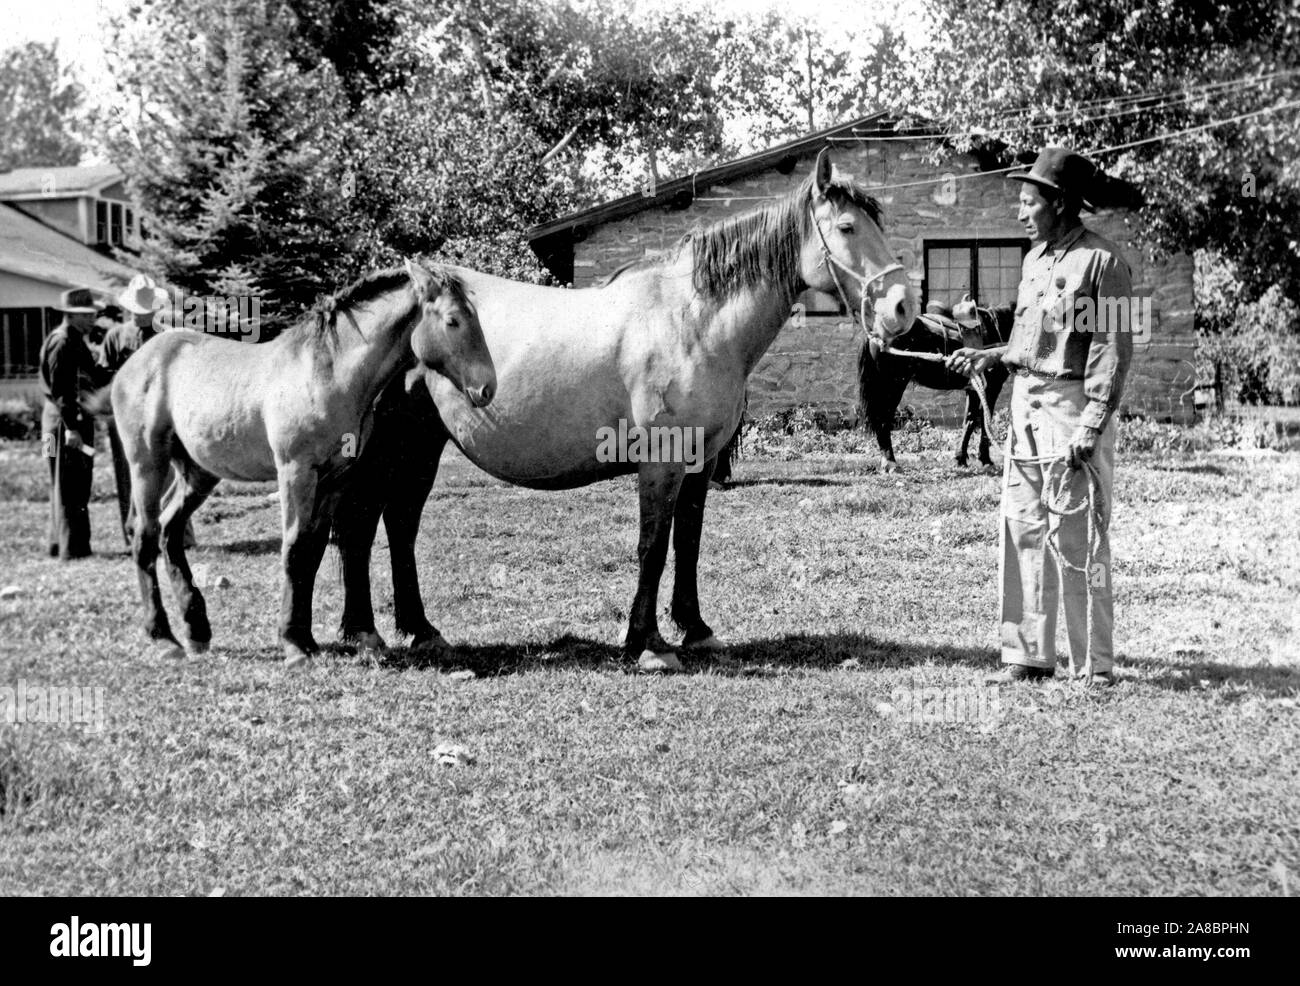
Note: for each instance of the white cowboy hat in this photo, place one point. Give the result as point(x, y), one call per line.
point(142, 296)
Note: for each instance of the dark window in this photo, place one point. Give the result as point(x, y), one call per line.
point(101, 222)
point(115, 224)
point(819, 303)
point(21, 332)
point(987, 270)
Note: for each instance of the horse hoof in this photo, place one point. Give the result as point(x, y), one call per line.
point(435, 643)
point(889, 467)
point(295, 657)
point(196, 647)
point(167, 650)
point(651, 662)
point(368, 640)
point(711, 644)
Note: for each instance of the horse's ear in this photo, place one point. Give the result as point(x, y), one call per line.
point(421, 279)
point(822, 172)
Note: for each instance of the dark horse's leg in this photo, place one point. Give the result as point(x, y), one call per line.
point(880, 390)
point(402, 522)
point(974, 419)
point(688, 520)
point(305, 516)
point(392, 479)
point(658, 484)
point(193, 486)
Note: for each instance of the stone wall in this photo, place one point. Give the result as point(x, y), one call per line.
point(816, 363)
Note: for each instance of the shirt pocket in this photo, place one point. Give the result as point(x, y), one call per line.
point(1061, 306)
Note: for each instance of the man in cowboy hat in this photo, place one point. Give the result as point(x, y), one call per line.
point(69, 376)
point(1070, 350)
point(140, 300)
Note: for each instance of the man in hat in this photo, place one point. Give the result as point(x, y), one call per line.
point(1070, 350)
point(69, 375)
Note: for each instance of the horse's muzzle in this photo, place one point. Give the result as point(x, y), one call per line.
point(481, 396)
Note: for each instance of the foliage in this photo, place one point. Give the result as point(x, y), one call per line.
point(20, 419)
point(1031, 72)
point(233, 151)
point(39, 103)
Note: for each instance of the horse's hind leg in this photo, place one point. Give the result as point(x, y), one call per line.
point(306, 533)
point(193, 486)
point(148, 474)
point(688, 521)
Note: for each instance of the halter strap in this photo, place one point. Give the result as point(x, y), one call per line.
point(864, 282)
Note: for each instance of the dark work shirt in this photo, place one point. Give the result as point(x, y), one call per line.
point(69, 373)
point(120, 342)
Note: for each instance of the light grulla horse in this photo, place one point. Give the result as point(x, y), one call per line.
point(297, 409)
point(665, 343)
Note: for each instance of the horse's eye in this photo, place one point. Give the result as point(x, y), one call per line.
point(846, 228)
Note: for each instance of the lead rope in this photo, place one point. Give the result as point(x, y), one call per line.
point(977, 384)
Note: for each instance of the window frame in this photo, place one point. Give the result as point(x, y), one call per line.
point(972, 247)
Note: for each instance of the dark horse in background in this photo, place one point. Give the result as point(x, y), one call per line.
point(883, 375)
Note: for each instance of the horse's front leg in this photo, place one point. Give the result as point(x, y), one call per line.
point(356, 520)
point(884, 432)
point(688, 522)
point(402, 522)
point(306, 533)
point(658, 483)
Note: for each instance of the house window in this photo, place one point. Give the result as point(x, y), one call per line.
point(987, 270)
point(21, 332)
point(115, 223)
point(101, 222)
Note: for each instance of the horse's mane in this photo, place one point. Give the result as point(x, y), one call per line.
point(759, 247)
point(764, 246)
point(318, 325)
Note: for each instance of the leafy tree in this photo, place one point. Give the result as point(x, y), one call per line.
point(233, 151)
point(38, 102)
point(1030, 72)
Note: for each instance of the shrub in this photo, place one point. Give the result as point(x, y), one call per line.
point(20, 419)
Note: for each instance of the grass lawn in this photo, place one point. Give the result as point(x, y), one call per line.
point(794, 764)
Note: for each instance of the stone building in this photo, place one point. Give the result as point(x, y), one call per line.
point(953, 228)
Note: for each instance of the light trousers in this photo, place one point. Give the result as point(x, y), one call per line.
point(1044, 416)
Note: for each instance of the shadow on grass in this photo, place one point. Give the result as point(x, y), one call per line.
point(1199, 468)
point(748, 659)
point(1269, 680)
point(787, 481)
point(252, 546)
